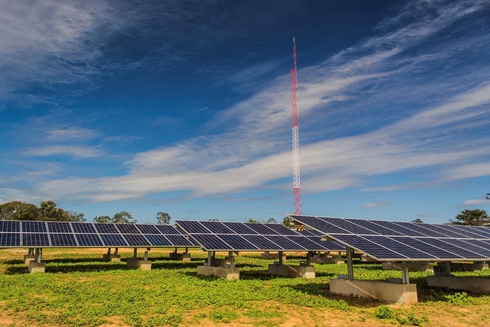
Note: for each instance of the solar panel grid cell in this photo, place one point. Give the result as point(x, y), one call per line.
point(83, 228)
point(261, 229)
point(281, 230)
point(373, 249)
point(427, 248)
point(158, 240)
point(472, 247)
point(34, 227)
point(35, 240)
point(397, 246)
point(321, 225)
point(106, 228)
point(217, 227)
point(136, 240)
point(63, 240)
point(211, 242)
point(237, 242)
point(88, 240)
point(240, 228)
point(59, 227)
point(193, 227)
point(9, 226)
point(421, 229)
point(113, 240)
point(443, 230)
point(483, 231)
point(9, 239)
point(374, 226)
point(127, 229)
point(147, 229)
point(285, 243)
point(167, 229)
point(351, 226)
point(307, 243)
point(262, 243)
point(398, 228)
point(179, 241)
point(463, 253)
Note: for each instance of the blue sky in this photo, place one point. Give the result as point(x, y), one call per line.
point(185, 107)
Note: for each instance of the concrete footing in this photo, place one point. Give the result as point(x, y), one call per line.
point(323, 258)
point(220, 272)
point(384, 291)
point(138, 263)
point(185, 257)
point(291, 271)
point(36, 267)
point(472, 284)
point(274, 256)
point(463, 266)
point(29, 258)
point(112, 257)
point(411, 266)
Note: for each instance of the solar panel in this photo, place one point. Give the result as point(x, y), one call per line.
point(192, 227)
point(372, 249)
point(212, 242)
point(127, 229)
point(308, 243)
point(113, 240)
point(179, 241)
point(9, 239)
point(237, 242)
point(239, 228)
point(281, 230)
point(63, 240)
point(147, 229)
point(106, 228)
point(399, 247)
point(285, 243)
point(83, 228)
point(217, 227)
point(34, 227)
point(35, 240)
point(261, 229)
point(158, 240)
point(89, 240)
point(59, 227)
point(262, 243)
point(9, 226)
point(167, 229)
point(136, 240)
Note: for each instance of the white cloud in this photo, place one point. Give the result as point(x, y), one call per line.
point(70, 150)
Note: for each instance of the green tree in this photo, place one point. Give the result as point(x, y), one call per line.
point(252, 221)
point(75, 216)
point(123, 217)
point(49, 211)
point(287, 221)
point(163, 218)
point(418, 221)
point(103, 219)
point(17, 210)
point(213, 219)
point(474, 217)
point(271, 221)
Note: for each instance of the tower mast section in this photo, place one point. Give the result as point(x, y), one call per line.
point(296, 167)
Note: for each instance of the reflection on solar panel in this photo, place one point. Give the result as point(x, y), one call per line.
point(401, 241)
point(233, 236)
point(78, 234)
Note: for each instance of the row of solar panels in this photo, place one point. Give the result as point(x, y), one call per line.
point(398, 241)
point(211, 236)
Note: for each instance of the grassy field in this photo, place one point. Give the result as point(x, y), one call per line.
point(79, 289)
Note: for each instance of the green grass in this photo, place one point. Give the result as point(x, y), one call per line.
point(81, 290)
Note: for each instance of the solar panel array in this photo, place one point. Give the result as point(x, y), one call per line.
point(41, 234)
point(401, 241)
point(235, 236)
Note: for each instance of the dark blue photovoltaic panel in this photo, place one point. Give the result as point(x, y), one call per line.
point(262, 243)
point(397, 228)
point(35, 240)
point(261, 229)
point(9, 226)
point(311, 232)
point(372, 249)
point(136, 240)
point(330, 245)
point(83, 228)
point(427, 248)
point(237, 242)
point(307, 243)
point(484, 231)
point(193, 227)
point(351, 226)
point(285, 243)
point(399, 247)
point(63, 240)
point(113, 240)
point(180, 241)
point(281, 230)
point(375, 227)
point(167, 229)
point(449, 247)
point(217, 227)
point(127, 229)
point(59, 227)
point(471, 245)
point(158, 240)
point(419, 228)
point(320, 224)
point(89, 240)
point(34, 227)
point(9, 239)
point(147, 229)
point(106, 228)
point(442, 230)
point(211, 242)
point(239, 228)
point(467, 231)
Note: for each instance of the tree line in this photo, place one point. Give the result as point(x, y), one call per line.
point(49, 211)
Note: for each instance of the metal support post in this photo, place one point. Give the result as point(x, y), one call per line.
point(30, 251)
point(135, 253)
point(350, 268)
point(116, 251)
point(109, 251)
point(146, 254)
point(39, 255)
point(405, 277)
point(232, 259)
point(186, 251)
point(210, 258)
point(281, 253)
point(175, 250)
point(448, 268)
point(308, 258)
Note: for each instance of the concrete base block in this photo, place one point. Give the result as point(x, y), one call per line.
point(35, 267)
point(220, 272)
point(327, 259)
point(274, 256)
point(412, 266)
point(111, 257)
point(389, 292)
point(463, 266)
point(28, 258)
point(138, 263)
point(185, 257)
point(292, 271)
point(472, 284)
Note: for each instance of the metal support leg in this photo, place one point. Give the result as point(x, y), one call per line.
point(350, 269)
point(448, 268)
point(39, 255)
point(281, 254)
point(135, 253)
point(186, 251)
point(405, 277)
point(146, 254)
point(116, 251)
point(175, 250)
point(108, 251)
point(210, 258)
point(232, 259)
point(30, 251)
point(308, 258)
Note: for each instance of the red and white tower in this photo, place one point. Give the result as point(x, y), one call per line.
point(294, 105)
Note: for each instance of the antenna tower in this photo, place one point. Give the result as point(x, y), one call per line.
point(294, 105)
